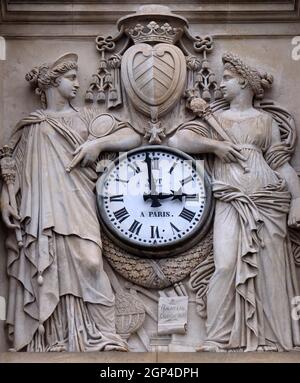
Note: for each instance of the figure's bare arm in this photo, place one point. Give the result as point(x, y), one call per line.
point(120, 141)
point(192, 142)
point(289, 174)
point(8, 212)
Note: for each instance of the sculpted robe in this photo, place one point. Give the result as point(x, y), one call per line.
point(249, 295)
point(59, 294)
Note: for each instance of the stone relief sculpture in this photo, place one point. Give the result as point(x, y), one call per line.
point(258, 196)
point(164, 263)
point(145, 75)
point(60, 298)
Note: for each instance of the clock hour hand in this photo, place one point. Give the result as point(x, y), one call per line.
point(174, 195)
point(153, 193)
point(179, 195)
point(154, 198)
point(157, 196)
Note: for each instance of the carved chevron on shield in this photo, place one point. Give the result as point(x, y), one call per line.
point(154, 77)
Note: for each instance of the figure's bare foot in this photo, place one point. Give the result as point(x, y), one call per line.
point(237, 349)
point(111, 347)
point(209, 347)
point(269, 348)
point(57, 347)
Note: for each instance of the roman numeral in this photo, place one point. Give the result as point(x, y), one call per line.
point(187, 214)
point(173, 167)
point(120, 180)
point(155, 163)
point(135, 227)
point(186, 180)
point(174, 229)
point(134, 167)
point(192, 197)
point(117, 198)
point(154, 232)
point(121, 214)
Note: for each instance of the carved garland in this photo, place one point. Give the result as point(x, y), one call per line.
point(156, 274)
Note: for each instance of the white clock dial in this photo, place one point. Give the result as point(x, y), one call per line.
point(153, 198)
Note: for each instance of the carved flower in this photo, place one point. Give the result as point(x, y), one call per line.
point(193, 63)
point(114, 61)
point(167, 27)
point(218, 94)
point(153, 26)
point(138, 27)
point(198, 105)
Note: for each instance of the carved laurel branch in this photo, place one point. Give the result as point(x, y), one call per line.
point(156, 274)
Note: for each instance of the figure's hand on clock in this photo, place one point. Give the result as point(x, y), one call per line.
point(87, 153)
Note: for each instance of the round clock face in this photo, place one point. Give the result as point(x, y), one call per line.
point(154, 199)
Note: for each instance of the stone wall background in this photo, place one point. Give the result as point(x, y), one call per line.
point(266, 44)
point(271, 52)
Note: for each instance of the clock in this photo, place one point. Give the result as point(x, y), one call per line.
point(155, 201)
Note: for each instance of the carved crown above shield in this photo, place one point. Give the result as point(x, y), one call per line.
point(154, 32)
point(153, 23)
point(155, 62)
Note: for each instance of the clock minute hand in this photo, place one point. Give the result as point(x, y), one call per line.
point(152, 184)
point(172, 195)
point(153, 193)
